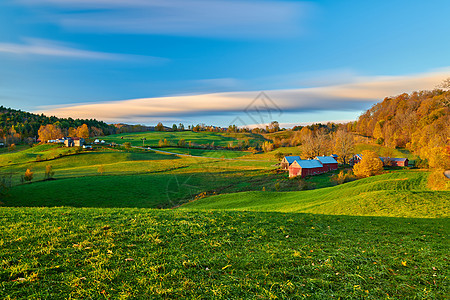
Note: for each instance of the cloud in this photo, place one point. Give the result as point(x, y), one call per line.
point(204, 18)
point(355, 96)
point(42, 47)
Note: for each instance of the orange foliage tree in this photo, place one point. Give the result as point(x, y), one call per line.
point(369, 165)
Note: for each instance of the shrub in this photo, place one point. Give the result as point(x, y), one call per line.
point(343, 177)
point(127, 145)
point(49, 172)
point(28, 175)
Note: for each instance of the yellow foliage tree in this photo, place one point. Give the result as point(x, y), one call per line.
point(83, 131)
point(28, 175)
point(49, 132)
point(369, 165)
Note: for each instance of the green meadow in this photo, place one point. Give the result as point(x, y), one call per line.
point(152, 138)
point(125, 224)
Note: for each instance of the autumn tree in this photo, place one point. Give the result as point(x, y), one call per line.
point(267, 146)
point(83, 131)
point(28, 175)
point(315, 144)
point(369, 165)
point(159, 127)
point(49, 132)
point(49, 173)
point(344, 145)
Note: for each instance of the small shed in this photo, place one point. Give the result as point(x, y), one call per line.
point(287, 161)
point(305, 168)
point(328, 162)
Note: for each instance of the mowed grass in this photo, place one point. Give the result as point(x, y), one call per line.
point(199, 138)
point(397, 194)
point(76, 253)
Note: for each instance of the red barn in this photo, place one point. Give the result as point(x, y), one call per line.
point(287, 161)
point(328, 162)
point(305, 168)
point(398, 162)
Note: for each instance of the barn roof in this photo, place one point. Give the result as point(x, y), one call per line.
point(402, 159)
point(309, 163)
point(291, 159)
point(326, 159)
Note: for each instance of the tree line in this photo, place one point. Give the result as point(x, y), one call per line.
point(17, 126)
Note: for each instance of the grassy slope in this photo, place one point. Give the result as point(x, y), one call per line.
point(56, 253)
point(200, 138)
point(401, 194)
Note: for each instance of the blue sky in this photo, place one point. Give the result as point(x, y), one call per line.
point(144, 61)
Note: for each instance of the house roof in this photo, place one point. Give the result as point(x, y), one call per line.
point(309, 163)
point(291, 159)
point(402, 159)
point(326, 159)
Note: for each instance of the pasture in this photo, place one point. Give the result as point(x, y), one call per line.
point(243, 230)
point(79, 253)
point(202, 138)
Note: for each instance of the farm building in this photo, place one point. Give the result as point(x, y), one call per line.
point(74, 142)
point(398, 162)
point(287, 161)
point(355, 159)
point(305, 168)
point(328, 162)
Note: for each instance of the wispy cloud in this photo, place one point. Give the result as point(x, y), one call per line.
point(355, 96)
point(42, 47)
point(211, 18)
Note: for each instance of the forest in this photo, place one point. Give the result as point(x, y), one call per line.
point(17, 126)
point(419, 121)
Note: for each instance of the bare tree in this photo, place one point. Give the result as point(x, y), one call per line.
point(445, 84)
point(344, 145)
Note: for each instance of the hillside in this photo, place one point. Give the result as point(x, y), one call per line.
point(16, 125)
point(418, 121)
point(399, 194)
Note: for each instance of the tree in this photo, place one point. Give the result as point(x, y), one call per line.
point(174, 127)
point(127, 145)
point(159, 127)
point(267, 146)
point(343, 145)
point(181, 143)
point(49, 132)
point(101, 169)
point(446, 86)
point(28, 175)
point(369, 165)
point(83, 131)
point(49, 172)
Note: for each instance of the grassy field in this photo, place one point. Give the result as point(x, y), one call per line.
point(54, 253)
point(207, 153)
point(398, 194)
point(88, 234)
point(199, 138)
